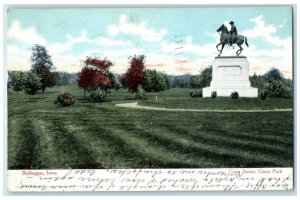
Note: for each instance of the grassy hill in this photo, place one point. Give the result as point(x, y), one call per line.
point(100, 135)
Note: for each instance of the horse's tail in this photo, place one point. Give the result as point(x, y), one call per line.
point(246, 42)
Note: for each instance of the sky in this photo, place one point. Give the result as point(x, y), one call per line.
point(174, 40)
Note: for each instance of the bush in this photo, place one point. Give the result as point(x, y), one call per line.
point(196, 94)
point(65, 99)
point(263, 95)
point(277, 88)
point(140, 93)
point(214, 94)
point(98, 95)
point(234, 95)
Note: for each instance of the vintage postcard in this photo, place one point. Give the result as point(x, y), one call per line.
point(194, 98)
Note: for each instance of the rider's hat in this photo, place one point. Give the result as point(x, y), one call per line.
point(232, 22)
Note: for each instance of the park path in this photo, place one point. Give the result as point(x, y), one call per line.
point(135, 105)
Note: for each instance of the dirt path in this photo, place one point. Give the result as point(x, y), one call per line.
point(135, 105)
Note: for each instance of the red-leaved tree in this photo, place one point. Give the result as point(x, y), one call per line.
point(95, 74)
point(136, 73)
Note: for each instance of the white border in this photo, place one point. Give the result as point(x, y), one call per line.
point(64, 3)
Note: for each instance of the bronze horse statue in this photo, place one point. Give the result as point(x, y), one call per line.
point(224, 39)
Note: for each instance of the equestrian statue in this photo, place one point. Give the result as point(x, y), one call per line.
point(231, 38)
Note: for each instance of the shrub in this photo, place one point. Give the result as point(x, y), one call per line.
point(140, 93)
point(277, 88)
point(98, 95)
point(263, 95)
point(234, 95)
point(214, 94)
point(32, 83)
point(196, 94)
point(65, 99)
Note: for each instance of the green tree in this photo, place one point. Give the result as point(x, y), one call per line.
point(140, 93)
point(115, 81)
point(42, 65)
point(195, 81)
point(156, 81)
point(18, 81)
point(32, 83)
point(259, 81)
point(168, 82)
point(273, 84)
point(273, 73)
point(276, 88)
point(205, 77)
point(181, 81)
point(202, 80)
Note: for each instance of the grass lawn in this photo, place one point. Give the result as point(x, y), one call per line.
point(221, 103)
point(100, 135)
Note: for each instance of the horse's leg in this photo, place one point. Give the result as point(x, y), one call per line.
point(221, 49)
point(238, 52)
point(218, 46)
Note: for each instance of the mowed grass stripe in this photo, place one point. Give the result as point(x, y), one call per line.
point(106, 148)
point(241, 147)
point(221, 103)
point(157, 154)
point(60, 147)
point(254, 136)
point(220, 154)
point(226, 132)
point(140, 150)
point(260, 148)
point(25, 143)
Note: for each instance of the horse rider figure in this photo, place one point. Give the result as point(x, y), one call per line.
point(232, 33)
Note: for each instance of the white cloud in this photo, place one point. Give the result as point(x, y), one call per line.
point(261, 59)
point(187, 46)
point(17, 58)
point(139, 30)
point(267, 33)
point(28, 35)
point(68, 63)
point(60, 48)
point(109, 42)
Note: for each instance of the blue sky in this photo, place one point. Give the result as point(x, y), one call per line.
point(174, 40)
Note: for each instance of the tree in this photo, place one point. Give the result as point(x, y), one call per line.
point(195, 81)
point(206, 77)
point(48, 79)
point(17, 81)
point(181, 81)
point(32, 83)
point(277, 86)
point(136, 73)
point(273, 73)
point(66, 78)
point(123, 81)
point(259, 81)
point(273, 84)
point(41, 64)
point(202, 80)
point(168, 82)
point(156, 81)
point(95, 74)
point(114, 81)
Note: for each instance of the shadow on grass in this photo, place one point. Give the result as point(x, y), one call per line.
point(26, 153)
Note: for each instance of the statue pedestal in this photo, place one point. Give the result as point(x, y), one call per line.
point(230, 74)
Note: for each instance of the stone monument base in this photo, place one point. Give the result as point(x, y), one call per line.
point(226, 92)
point(230, 74)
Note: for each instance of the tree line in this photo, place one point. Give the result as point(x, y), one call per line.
point(96, 75)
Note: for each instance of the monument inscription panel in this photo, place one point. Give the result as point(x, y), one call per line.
point(230, 74)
